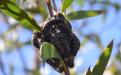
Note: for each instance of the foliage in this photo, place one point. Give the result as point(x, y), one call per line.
point(17, 13)
point(103, 60)
point(47, 50)
point(66, 4)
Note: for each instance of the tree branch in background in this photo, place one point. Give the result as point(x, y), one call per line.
point(54, 5)
point(1, 66)
point(48, 2)
point(22, 58)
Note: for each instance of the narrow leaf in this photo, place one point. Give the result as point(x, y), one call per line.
point(47, 50)
point(84, 14)
point(14, 1)
point(11, 9)
point(89, 72)
point(66, 4)
point(103, 60)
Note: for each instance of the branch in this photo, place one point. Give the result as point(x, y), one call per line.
point(48, 2)
point(66, 69)
point(54, 5)
point(1, 66)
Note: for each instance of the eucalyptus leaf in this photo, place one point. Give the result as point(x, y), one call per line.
point(66, 4)
point(47, 50)
point(14, 1)
point(103, 60)
point(84, 14)
point(11, 9)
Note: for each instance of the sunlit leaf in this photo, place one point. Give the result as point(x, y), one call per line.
point(66, 4)
point(17, 13)
point(84, 14)
point(103, 60)
point(13, 1)
point(89, 72)
point(47, 50)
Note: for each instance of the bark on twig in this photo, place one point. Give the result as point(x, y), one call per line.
point(54, 5)
point(66, 69)
point(48, 2)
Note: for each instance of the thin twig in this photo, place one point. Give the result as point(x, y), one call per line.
point(66, 70)
point(22, 58)
point(48, 2)
point(1, 66)
point(37, 59)
point(54, 5)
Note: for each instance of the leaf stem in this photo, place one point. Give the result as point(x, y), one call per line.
point(66, 70)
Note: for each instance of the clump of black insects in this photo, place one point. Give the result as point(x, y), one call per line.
point(58, 31)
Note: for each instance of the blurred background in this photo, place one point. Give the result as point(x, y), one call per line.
point(19, 57)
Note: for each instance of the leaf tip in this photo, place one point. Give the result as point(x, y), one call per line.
point(110, 45)
point(89, 72)
point(89, 69)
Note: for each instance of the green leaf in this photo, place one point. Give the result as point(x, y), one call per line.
point(14, 1)
point(89, 72)
point(66, 4)
point(11, 9)
point(103, 60)
point(47, 50)
point(84, 14)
